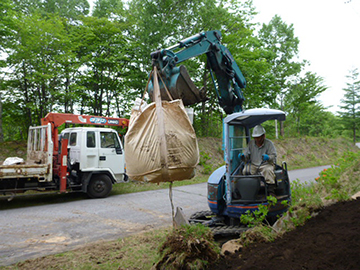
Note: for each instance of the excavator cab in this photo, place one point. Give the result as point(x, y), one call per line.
point(231, 193)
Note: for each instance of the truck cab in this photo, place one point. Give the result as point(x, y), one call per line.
point(95, 159)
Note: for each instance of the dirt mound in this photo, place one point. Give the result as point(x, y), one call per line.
point(330, 240)
point(187, 248)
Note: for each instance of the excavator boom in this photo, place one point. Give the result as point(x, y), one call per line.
point(226, 75)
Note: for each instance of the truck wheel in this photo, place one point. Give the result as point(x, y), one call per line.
point(99, 186)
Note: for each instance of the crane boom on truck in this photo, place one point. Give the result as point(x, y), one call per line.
point(85, 159)
point(231, 194)
point(58, 119)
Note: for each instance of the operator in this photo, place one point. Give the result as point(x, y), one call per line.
point(262, 154)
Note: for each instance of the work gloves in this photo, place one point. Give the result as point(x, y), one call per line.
point(265, 157)
point(241, 156)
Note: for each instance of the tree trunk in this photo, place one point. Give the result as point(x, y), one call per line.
point(204, 125)
point(282, 132)
point(354, 135)
point(1, 129)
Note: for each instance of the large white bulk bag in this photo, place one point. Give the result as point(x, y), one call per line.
point(145, 159)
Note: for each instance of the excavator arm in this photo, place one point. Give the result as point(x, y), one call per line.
point(226, 75)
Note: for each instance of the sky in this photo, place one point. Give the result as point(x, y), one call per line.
point(328, 31)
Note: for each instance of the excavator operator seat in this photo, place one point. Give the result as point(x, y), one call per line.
point(246, 188)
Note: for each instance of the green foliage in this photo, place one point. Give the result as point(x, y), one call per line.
point(208, 124)
point(334, 184)
point(6, 23)
point(301, 102)
point(100, 50)
point(282, 45)
point(107, 8)
point(257, 217)
point(207, 167)
point(350, 113)
point(37, 56)
point(335, 181)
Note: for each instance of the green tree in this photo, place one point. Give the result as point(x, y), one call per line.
point(301, 96)
point(248, 52)
point(108, 9)
point(7, 14)
point(132, 75)
point(6, 32)
point(316, 121)
point(36, 61)
point(350, 113)
point(106, 66)
point(70, 9)
point(282, 45)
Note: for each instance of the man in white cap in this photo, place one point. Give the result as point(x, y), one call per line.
point(262, 154)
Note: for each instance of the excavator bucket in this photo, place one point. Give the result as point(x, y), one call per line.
point(178, 85)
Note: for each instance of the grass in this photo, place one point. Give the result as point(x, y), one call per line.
point(136, 252)
point(132, 186)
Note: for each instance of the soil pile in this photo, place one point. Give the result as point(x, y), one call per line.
point(187, 249)
point(330, 240)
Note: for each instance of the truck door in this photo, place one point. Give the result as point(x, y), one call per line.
point(92, 160)
point(111, 153)
point(74, 147)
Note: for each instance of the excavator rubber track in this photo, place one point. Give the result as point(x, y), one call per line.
point(219, 229)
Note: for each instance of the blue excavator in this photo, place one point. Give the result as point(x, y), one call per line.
point(231, 194)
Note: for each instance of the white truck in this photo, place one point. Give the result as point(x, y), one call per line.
point(84, 159)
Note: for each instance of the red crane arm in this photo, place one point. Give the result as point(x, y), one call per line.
point(57, 119)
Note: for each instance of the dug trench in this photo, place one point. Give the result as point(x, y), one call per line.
point(330, 240)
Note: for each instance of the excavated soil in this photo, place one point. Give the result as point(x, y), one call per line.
point(330, 240)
